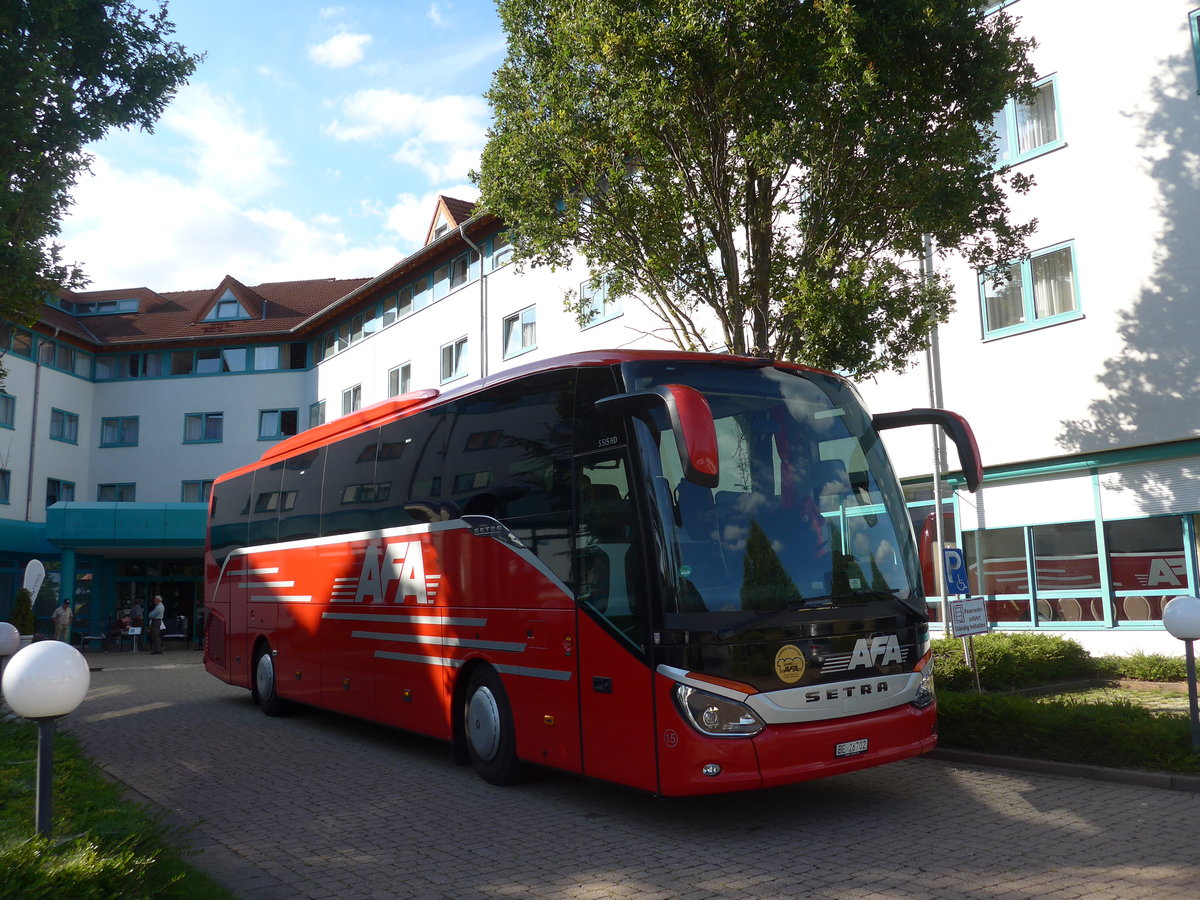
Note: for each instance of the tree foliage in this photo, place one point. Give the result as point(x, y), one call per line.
point(70, 70)
point(770, 166)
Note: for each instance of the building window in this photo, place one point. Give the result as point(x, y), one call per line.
point(1031, 293)
point(5, 483)
point(266, 358)
point(196, 491)
point(351, 399)
point(226, 308)
point(597, 306)
point(119, 431)
point(1027, 129)
point(400, 380)
point(8, 410)
point(274, 424)
point(116, 493)
point(203, 428)
point(520, 332)
point(501, 250)
point(57, 489)
point(1194, 22)
point(316, 414)
point(64, 426)
point(454, 360)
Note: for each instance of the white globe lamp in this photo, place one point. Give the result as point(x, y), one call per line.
point(1181, 618)
point(44, 681)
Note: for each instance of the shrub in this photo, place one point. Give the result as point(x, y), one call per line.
point(1011, 661)
point(1117, 734)
point(22, 614)
point(1143, 667)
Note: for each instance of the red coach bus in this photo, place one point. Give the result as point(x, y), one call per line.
point(685, 573)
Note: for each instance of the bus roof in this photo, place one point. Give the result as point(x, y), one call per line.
point(406, 404)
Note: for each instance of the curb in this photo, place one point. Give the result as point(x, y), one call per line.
point(1166, 780)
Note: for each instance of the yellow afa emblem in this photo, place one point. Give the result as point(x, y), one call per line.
point(789, 664)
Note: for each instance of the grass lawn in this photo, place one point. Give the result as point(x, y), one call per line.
point(102, 845)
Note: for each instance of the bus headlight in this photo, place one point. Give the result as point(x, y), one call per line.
point(925, 691)
point(716, 716)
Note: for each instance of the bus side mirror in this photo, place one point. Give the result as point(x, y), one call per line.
point(956, 429)
point(691, 423)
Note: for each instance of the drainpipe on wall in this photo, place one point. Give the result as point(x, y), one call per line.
point(37, 386)
point(483, 358)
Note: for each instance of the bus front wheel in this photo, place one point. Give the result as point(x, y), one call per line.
point(488, 724)
point(264, 689)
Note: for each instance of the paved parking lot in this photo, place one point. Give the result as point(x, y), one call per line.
point(316, 805)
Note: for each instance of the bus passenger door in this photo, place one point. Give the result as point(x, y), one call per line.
point(615, 679)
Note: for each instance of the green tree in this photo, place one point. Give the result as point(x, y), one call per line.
point(70, 70)
point(22, 613)
point(770, 165)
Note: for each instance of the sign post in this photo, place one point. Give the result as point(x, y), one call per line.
point(967, 615)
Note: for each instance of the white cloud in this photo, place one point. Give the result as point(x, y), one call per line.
point(435, 15)
point(198, 234)
point(226, 154)
point(341, 50)
point(442, 136)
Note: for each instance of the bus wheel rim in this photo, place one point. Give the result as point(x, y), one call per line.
point(264, 676)
point(483, 724)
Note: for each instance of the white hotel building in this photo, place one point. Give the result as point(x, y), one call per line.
point(1081, 377)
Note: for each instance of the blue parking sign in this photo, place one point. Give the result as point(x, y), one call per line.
point(955, 568)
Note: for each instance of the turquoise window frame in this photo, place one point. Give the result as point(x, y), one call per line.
point(122, 440)
point(1194, 28)
point(1028, 300)
point(8, 410)
point(62, 483)
point(316, 414)
point(279, 433)
point(518, 321)
point(595, 292)
point(204, 418)
point(1010, 116)
point(5, 486)
point(203, 486)
point(64, 419)
point(457, 356)
point(117, 488)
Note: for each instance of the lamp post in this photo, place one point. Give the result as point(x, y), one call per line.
point(1181, 617)
point(42, 682)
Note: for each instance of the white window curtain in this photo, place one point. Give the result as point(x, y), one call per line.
point(1037, 122)
point(1053, 283)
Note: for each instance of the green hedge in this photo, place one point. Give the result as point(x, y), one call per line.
point(1011, 661)
point(1116, 734)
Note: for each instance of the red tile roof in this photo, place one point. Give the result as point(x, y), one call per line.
point(173, 315)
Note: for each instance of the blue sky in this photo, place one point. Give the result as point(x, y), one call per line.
point(310, 143)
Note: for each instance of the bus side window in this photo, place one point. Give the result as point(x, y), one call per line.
point(608, 571)
point(348, 496)
point(301, 519)
point(230, 509)
point(268, 499)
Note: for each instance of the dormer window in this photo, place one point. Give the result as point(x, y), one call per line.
point(227, 309)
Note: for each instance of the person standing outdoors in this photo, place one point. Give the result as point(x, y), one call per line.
point(61, 617)
point(156, 624)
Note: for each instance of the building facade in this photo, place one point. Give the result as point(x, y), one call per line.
point(1078, 371)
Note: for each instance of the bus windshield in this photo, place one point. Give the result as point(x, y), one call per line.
point(806, 514)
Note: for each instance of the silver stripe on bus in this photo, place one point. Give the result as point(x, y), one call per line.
point(506, 646)
point(419, 620)
point(277, 598)
point(527, 672)
point(521, 671)
point(267, 570)
point(266, 584)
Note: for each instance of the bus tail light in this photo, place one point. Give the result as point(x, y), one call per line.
point(715, 716)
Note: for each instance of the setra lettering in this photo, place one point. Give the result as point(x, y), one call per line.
point(844, 691)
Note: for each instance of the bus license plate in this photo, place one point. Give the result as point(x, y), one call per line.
point(851, 748)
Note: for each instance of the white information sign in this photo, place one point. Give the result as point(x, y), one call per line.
point(968, 617)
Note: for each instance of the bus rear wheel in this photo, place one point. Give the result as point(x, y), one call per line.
point(488, 725)
point(264, 684)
